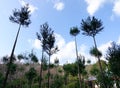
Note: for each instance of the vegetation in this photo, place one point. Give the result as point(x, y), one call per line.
point(113, 57)
point(25, 71)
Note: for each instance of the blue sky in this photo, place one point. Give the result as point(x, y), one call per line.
point(61, 15)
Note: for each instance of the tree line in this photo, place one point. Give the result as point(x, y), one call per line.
point(106, 76)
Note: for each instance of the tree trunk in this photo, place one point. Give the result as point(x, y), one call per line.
point(117, 83)
point(49, 72)
point(11, 57)
point(30, 84)
point(40, 80)
point(101, 70)
point(78, 64)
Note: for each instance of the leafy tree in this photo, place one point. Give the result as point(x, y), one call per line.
point(20, 57)
point(113, 57)
point(50, 49)
point(30, 75)
point(74, 31)
point(5, 59)
point(108, 79)
point(33, 57)
point(47, 38)
point(20, 17)
point(42, 36)
point(91, 27)
point(29, 57)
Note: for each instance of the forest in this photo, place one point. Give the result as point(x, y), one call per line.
point(26, 70)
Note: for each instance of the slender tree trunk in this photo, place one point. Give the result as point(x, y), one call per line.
point(11, 58)
point(100, 65)
point(49, 72)
point(78, 64)
point(40, 80)
point(117, 83)
point(30, 84)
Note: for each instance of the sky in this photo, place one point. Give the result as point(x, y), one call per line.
point(61, 15)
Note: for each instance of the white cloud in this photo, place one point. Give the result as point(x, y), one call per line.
point(94, 5)
point(59, 5)
point(35, 43)
point(31, 7)
point(67, 53)
point(59, 40)
point(116, 7)
point(67, 50)
point(118, 40)
point(103, 48)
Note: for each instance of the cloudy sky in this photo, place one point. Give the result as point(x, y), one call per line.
point(61, 15)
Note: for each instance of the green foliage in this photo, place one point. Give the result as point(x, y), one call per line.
point(71, 69)
point(73, 84)
point(58, 82)
point(95, 52)
point(60, 70)
point(33, 57)
point(81, 63)
point(47, 38)
point(113, 57)
point(21, 16)
point(74, 31)
point(30, 75)
point(5, 59)
point(13, 68)
point(91, 26)
point(94, 71)
point(43, 34)
point(29, 57)
point(20, 57)
point(52, 65)
point(107, 78)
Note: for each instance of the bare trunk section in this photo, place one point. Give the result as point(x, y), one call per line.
point(100, 65)
point(79, 76)
point(11, 58)
point(40, 80)
point(49, 72)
